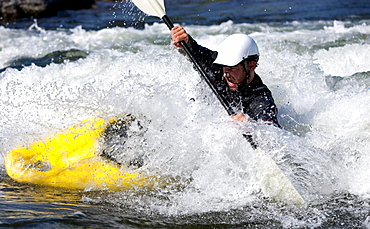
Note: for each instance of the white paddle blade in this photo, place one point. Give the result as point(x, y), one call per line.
point(275, 183)
point(151, 7)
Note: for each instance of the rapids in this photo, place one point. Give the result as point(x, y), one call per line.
point(318, 73)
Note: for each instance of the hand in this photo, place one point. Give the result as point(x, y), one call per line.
point(244, 123)
point(240, 117)
point(179, 34)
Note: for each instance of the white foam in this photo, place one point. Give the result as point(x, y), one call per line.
point(344, 61)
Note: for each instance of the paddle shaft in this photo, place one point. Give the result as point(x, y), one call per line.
point(203, 73)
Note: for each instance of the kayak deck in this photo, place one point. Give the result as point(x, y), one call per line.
point(71, 159)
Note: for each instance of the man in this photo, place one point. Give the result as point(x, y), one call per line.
point(231, 71)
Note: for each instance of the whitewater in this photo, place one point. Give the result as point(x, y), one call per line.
point(318, 73)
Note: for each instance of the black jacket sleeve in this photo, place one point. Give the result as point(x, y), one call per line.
point(261, 106)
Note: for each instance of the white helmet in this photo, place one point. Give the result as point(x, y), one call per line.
point(236, 48)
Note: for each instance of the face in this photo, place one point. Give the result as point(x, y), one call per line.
point(235, 76)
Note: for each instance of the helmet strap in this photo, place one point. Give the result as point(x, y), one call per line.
point(245, 65)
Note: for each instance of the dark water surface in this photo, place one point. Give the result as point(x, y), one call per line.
point(204, 12)
point(26, 206)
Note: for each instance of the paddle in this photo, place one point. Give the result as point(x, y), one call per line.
point(275, 180)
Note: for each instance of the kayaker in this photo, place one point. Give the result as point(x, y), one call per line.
point(232, 71)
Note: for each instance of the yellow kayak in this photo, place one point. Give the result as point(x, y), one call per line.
point(72, 160)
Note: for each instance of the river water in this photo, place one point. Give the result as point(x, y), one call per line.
point(57, 71)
